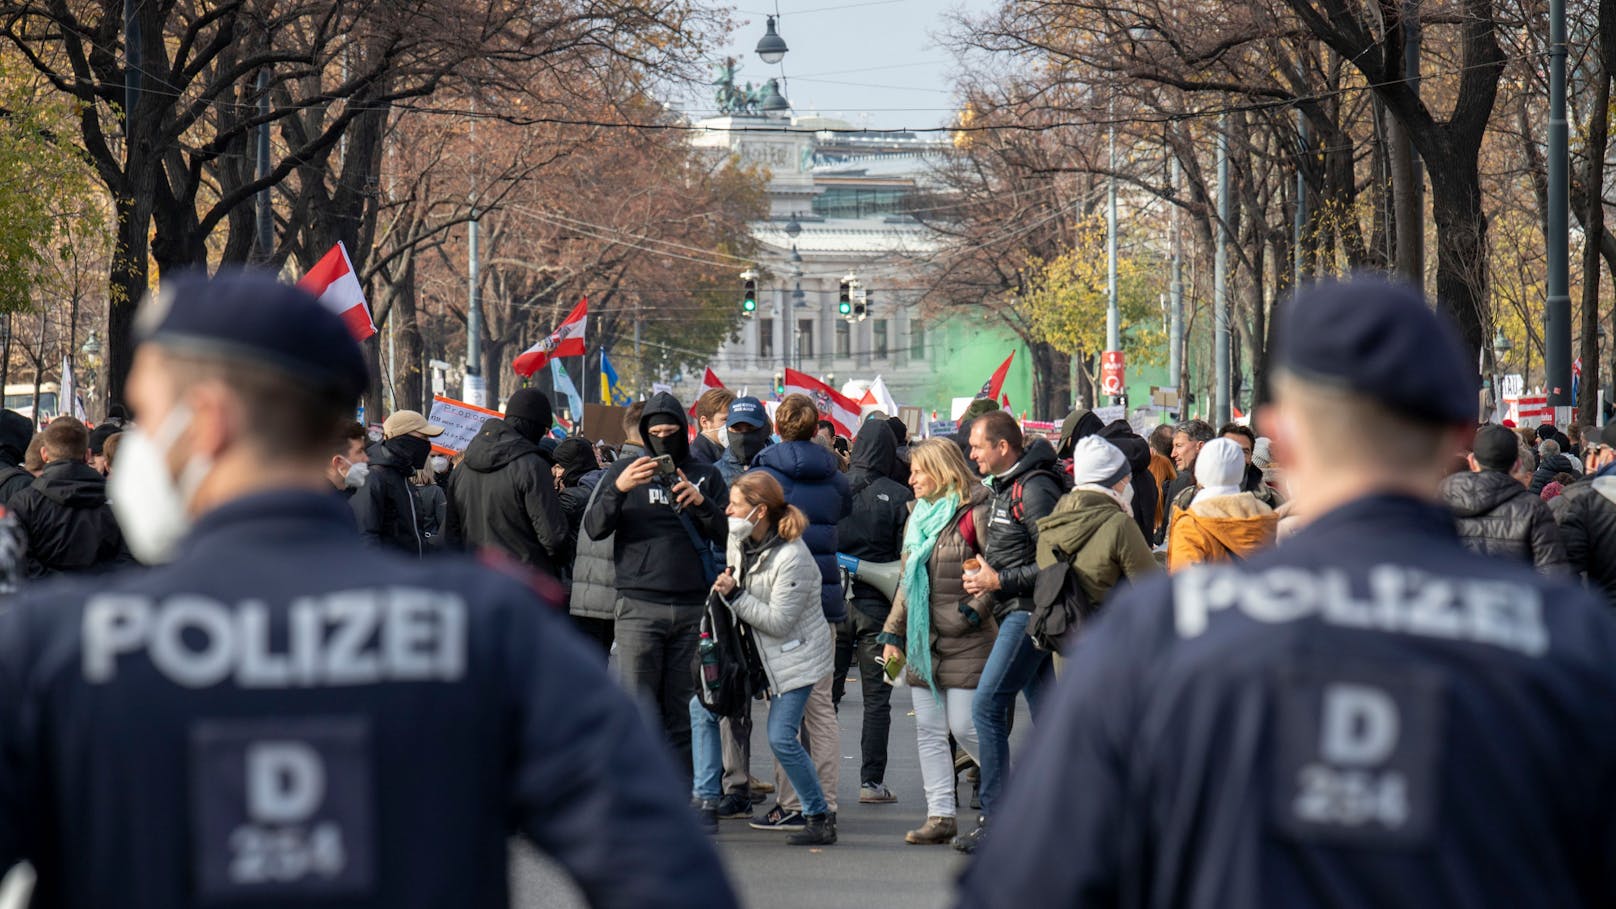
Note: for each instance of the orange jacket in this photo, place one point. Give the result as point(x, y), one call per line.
point(1213, 530)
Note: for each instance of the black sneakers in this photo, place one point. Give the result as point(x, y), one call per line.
point(779, 819)
point(818, 830)
point(734, 806)
point(706, 814)
point(967, 842)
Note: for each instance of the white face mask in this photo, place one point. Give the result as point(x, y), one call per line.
point(355, 477)
point(741, 528)
point(149, 503)
point(440, 464)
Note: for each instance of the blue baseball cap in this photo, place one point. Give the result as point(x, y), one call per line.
point(1379, 339)
point(251, 316)
point(748, 410)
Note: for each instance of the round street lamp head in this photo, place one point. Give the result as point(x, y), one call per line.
point(794, 227)
point(1501, 344)
point(92, 346)
point(771, 48)
point(773, 101)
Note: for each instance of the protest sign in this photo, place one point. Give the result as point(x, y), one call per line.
point(460, 422)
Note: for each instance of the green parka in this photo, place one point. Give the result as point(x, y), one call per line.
point(1103, 542)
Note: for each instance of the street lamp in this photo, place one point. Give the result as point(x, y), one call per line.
point(92, 347)
point(1501, 345)
point(793, 227)
point(773, 101)
point(771, 47)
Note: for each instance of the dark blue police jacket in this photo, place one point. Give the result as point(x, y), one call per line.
point(283, 715)
point(1369, 715)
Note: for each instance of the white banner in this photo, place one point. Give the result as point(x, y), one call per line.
point(460, 421)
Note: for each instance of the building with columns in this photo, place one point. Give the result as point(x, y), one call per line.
point(838, 204)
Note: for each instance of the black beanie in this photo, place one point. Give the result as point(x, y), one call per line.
point(531, 405)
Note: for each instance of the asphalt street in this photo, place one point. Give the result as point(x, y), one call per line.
point(870, 865)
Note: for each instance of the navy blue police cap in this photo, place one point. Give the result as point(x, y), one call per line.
point(252, 316)
point(1378, 339)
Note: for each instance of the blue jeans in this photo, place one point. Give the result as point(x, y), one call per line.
point(785, 722)
point(706, 753)
point(1015, 665)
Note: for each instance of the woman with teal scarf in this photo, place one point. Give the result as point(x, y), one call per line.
point(943, 633)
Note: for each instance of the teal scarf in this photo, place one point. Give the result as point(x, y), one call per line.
point(926, 524)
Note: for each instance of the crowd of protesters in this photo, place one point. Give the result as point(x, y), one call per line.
point(770, 515)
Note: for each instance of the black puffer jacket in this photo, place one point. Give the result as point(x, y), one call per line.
point(874, 529)
point(1586, 513)
point(654, 557)
point(66, 521)
point(503, 495)
point(385, 507)
point(1026, 492)
point(1549, 467)
point(1497, 516)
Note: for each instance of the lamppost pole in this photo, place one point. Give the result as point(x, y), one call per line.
point(1557, 313)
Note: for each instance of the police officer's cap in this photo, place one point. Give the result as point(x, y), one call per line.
point(1378, 339)
point(251, 316)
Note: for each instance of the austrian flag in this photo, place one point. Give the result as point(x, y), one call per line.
point(566, 341)
point(332, 279)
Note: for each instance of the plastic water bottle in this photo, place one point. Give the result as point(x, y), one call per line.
point(708, 652)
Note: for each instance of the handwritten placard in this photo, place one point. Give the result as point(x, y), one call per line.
point(460, 421)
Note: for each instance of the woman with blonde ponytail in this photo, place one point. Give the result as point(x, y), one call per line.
point(772, 584)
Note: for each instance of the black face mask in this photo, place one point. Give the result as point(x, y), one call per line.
point(676, 446)
point(415, 451)
point(746, 445)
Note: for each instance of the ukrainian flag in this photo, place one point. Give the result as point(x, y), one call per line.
point(609, 392)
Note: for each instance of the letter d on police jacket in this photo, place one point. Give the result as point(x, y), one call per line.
point(1360, 726)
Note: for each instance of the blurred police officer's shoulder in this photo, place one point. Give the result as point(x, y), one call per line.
point(1368, 715)
point(274, 713)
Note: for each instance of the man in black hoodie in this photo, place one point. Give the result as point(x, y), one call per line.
point(66, 522)
point(503, 494)
point(16, 431)
point(665, 527)
point(873, 532)
point(385, 507)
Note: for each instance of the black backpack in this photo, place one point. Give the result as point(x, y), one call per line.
point(1059, 605)
point(740, 671)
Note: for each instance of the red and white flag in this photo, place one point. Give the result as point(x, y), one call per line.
point(332, 279)
point(833, 405)
point(566, 341)
point(992, 387)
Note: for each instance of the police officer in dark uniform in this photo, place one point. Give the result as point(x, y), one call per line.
point(280, 715)
point(1369, 715)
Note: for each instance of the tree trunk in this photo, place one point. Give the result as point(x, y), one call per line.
point(1461, 244)
point(409, 384)
point(1594, 222)
point(126, 282)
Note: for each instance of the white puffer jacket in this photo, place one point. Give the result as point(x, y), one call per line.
point(779, 597)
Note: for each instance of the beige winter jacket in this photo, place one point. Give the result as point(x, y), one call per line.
point(779, 598)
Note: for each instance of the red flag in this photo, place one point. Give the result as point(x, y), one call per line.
point(833, 405)
point(566, 341)
point(991, 388)
point(332, 279)
point(1004, 402)
point(709, 381)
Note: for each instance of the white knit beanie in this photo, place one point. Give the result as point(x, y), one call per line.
point(1219, 468)
point(1096, 462)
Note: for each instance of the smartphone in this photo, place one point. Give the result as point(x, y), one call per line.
point(664, 466)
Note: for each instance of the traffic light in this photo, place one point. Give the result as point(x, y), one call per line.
point(779, 383)
point(845, 303)
point(749, 297)
point(862, 307)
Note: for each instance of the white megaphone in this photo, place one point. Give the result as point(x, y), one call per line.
point(883, 576)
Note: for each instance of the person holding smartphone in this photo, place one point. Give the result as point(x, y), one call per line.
point(664, 527)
